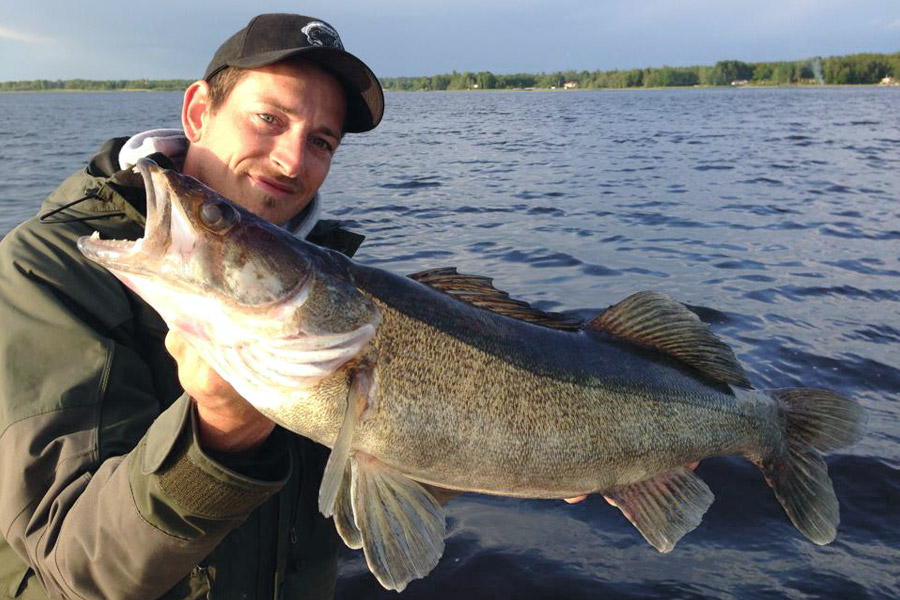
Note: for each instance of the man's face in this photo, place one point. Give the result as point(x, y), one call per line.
point(269, 146)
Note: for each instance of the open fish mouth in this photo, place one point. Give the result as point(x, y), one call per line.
point(206, 261)
point(196, 239)
point(166, 228)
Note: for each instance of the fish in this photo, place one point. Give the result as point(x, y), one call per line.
point(440, 380)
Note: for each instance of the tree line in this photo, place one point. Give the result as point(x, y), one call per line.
point(94, 85)
point(835, 70)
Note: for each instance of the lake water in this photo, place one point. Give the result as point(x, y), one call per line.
point(774, 211)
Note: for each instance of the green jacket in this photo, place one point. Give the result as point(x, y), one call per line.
point(104, 489)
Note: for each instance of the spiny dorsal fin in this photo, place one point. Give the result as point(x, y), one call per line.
point(655, 320)
point(478, 291)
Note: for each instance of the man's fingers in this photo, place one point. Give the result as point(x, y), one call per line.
point(227, 422)
point(174, 343)
point(575, 499)
point(197, 377)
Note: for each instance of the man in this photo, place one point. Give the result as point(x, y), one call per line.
point(116, 481)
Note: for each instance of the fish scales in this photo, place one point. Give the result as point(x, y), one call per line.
point(532, 432)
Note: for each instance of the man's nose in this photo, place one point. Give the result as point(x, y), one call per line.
point(289, 154)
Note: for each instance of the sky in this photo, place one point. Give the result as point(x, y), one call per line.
point(166, 39)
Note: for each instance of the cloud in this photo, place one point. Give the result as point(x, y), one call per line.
point(19, 36)
point(894, 24)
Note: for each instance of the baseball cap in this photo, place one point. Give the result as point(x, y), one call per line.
point(273, 37)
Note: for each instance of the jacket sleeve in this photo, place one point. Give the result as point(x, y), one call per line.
point(102, 492)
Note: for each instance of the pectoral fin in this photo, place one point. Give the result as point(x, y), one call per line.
point(666, 507)
point(402, 525)
point(336, 467)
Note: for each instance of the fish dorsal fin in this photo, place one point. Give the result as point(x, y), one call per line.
point(655, 320)
point(479, 291)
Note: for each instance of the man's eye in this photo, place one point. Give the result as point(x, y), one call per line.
point(323, 144)
point(267, 118)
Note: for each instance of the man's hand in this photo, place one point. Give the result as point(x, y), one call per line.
point(227, 422)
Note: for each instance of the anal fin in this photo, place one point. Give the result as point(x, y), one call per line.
point(665, 507)
point(401, 524)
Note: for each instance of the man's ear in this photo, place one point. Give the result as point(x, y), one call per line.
point(195, 110)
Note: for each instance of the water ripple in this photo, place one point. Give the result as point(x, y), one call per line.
point(800, 293)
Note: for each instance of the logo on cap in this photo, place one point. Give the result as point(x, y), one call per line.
point(320, 34)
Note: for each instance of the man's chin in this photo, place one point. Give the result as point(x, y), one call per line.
point(271, 209)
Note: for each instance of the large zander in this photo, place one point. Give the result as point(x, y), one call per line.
point(439, 378)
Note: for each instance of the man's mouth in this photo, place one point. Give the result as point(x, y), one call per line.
point(273, 187)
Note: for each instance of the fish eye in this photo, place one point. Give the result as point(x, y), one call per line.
point(218, 217)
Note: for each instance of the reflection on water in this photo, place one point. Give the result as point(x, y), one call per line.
point(773, 213)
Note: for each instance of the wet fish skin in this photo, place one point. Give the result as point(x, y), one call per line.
point(543, 413)
point(408, 384)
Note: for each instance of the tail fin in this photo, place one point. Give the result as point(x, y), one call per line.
point(816, 421)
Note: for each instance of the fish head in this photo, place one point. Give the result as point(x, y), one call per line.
point(217, 271)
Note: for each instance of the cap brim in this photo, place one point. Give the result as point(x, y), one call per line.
point(365, 98)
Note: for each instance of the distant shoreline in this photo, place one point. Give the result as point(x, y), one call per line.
point(82, 91)
point(851, 69)
point(475, 90)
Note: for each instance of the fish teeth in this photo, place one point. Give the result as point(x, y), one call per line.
point(116, 243)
